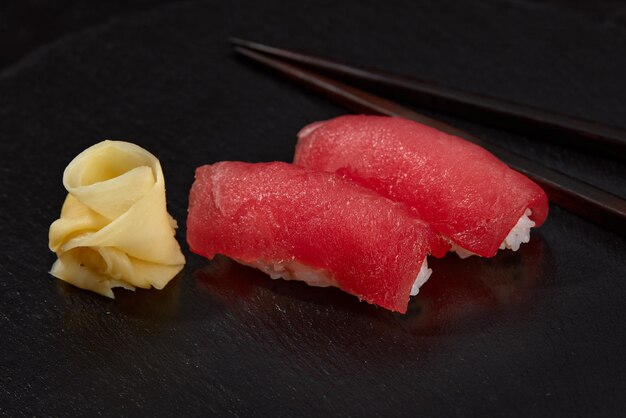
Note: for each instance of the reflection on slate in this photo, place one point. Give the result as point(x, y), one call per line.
point(158, 305)
point(150, 304)
point(461, 290)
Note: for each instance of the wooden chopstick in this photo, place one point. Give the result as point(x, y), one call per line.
point(553, 127)
point(583, 199)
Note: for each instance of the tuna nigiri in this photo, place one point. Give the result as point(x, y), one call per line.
point(313, 226)
point(469, 196)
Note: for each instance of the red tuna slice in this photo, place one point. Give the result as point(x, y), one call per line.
point(268, 213)
point(462, 190)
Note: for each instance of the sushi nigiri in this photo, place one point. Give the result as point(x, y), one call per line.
point(469, 196)
point(312, 226)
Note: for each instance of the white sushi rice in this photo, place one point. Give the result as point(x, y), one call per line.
point(293, 270)
point(519, 234)
point(421, 278)
point(460, 251)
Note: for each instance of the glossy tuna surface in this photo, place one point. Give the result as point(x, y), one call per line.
point(268, 213)
point(462, 190)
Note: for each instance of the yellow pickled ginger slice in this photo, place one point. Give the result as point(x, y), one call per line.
point(114, 229)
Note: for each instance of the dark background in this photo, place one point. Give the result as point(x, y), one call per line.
point(539, 332)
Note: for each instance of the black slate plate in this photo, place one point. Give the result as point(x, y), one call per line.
point(539, 332)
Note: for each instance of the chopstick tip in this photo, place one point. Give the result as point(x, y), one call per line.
point(253, 46)
point(239, 42)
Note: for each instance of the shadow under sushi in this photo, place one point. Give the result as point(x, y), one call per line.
point(458, 293)
point(461, 291)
